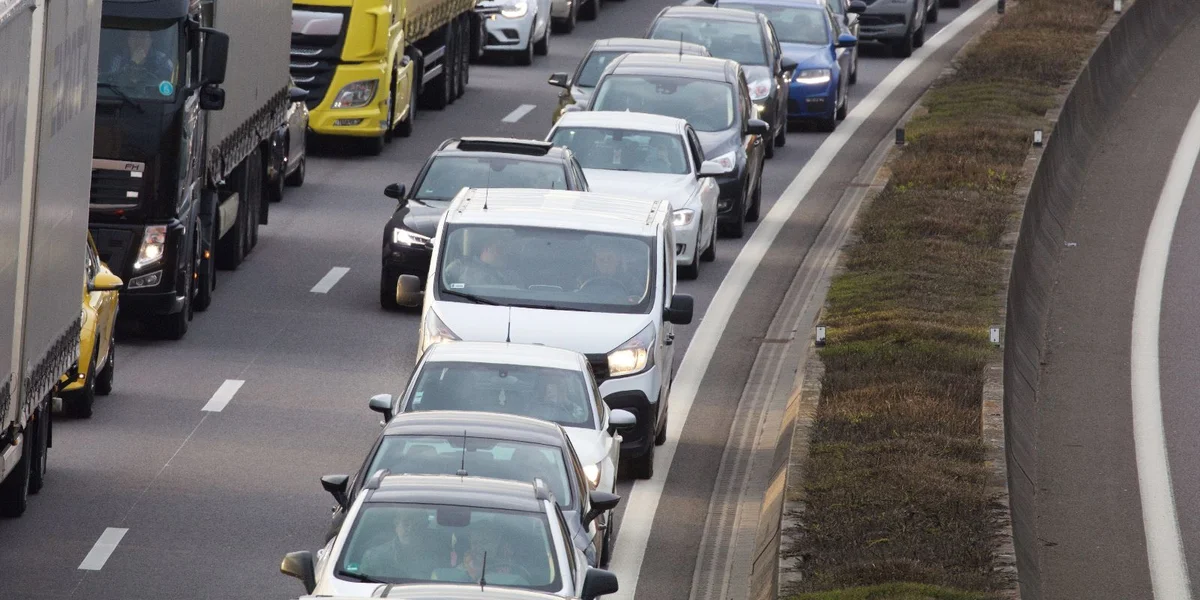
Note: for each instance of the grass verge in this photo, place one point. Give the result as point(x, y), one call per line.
point(895, 490)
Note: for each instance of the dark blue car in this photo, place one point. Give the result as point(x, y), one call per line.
point(811, 34)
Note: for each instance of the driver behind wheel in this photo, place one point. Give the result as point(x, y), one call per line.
point(608, 274)
point(142, 64)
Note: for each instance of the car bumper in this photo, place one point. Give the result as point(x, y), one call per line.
point(74, 379)
point(765, 109)
point(686, 240)
point(507, 35)
point(884, 25)
point(408, 260)
point(637, 394)
point(366, 121)
point(811, 101)
point(731, 188)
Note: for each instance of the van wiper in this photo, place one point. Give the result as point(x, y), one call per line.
point(120, 94)
point(358, 577)
point(547, 307)
point(471, 297)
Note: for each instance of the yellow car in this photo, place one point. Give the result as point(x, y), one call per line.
point(93, 373)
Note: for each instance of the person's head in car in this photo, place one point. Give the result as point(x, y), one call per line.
point(606, 259)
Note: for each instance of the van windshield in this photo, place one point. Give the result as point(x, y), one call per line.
point(534, 267)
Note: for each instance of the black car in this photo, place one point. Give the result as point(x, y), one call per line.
point(480, 444)
point(469, 162)
point(742, 36)
point(711, 95)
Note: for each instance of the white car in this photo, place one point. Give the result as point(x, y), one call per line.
point(517, 379)
point(518, 28)
point(644, 155)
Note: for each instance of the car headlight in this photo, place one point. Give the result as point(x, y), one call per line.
point(154, 244)
point(592, 472)
point(683, 217)
point(813, 76)
point(436, 332)
point(357, 94)
point(404, 237)
point(635, 355)
point(515, 10)
point(760, 89)
point(727, 161)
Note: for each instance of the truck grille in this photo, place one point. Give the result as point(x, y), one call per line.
point(116, 188)
point(315, 56)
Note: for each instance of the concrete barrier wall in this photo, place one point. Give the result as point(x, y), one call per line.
point(1101, 88)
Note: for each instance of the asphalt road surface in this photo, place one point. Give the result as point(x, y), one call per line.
point(201, 469)
point(1118, 506)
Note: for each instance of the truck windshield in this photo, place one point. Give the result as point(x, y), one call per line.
point(140, 60)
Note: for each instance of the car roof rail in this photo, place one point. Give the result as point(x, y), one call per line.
point(376, 478)
point(509, 146)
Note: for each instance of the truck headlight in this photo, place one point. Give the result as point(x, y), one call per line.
point(634, 356)
point(154, 244)
point(813, 76)
point(683, 217)
point(436, 332)
point(404, 237)
point(357, 94)
point(592, 472)
point(515, 10)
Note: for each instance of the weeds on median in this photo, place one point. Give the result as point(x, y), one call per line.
point(895, 489)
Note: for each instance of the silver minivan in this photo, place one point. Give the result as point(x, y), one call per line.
point(593, 273)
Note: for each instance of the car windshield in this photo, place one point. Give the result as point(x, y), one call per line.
point(733, 40)
point(555, 395)
point(624, 150)
point(793, 24)
point(498, 459)
point(593, 66)
point(534, 267)
point(139, 60)
point(447, 175)
point(414, 543)
point(707, 105)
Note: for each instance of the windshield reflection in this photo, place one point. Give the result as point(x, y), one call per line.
point(141, 63)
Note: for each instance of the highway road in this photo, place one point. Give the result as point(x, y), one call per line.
point(201, 469)
point(1118, 504)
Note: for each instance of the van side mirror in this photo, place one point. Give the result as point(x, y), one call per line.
point(300, 565)
point(680, 312)
point(408, 290)
point(561, 80)
point(216, 56)
point(382, 404)
point(601, 502)
point(598, 582)
point(212, 98)
point(336, 486)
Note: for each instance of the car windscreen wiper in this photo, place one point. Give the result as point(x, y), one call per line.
point(120, 94)
point(358, 577)
point(471, 297)
point(546, 307)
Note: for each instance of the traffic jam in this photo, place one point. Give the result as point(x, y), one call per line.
point(544, 271)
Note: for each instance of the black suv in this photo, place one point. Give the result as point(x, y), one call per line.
point(469, 162)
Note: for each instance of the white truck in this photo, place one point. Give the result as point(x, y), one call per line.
point(48, 52)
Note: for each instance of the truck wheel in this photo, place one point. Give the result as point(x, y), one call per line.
point(104, 379)
point(464, 55)
point(206, 283)
point(390, 128)
point(231, 248)
point(436, 95)
point(175, 326)
point(255, 178)
point(14, 491)
point(40, 452)
point(450, 60)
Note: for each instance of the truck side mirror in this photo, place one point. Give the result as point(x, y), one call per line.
point(216, 55)
point(297, 94)
point(212, 98)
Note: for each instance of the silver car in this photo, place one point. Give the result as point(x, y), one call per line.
point(898, 23)
point(520, 28)
point(564, 13)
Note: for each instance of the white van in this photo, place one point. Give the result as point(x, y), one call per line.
point(588, 272)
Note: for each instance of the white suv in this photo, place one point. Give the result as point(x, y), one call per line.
point(588, 272)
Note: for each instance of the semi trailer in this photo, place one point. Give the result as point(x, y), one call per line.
point(48, 52)
point(190, 93)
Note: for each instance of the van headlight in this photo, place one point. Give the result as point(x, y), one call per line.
point(592, 472)
point(634, 356)
point(515, 10)
point(154, 245)
point(357, 94)
point(436, 332)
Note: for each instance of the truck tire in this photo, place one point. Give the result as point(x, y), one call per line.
point(258, 185)
point(14, 491)
point(206, 283)
point(231, 248)
point(464, 54)
point(436, 95)
point(450, 59)
point(40, 452)
point(174, 326)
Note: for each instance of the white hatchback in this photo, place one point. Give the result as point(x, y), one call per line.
point(644, 155)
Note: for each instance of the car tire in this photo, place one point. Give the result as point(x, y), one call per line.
point(387, 290)
point(14, 491)
point(525, 57)
point(692, 271)
point(542, 48)
point(642, 467)
point(79, 404)
point(735, 227)
point(952, 3)
point(769, 152)
point(567, 24)
point(842, 110)
point(903, 47)
point(275, 188)
point(781, 137)
point(710, 253)
point(755, 202)
point(931, 16)
point(590, 10)
point(919, 37)
point(104, 379)
point(854, 68)
point(606, 545)
point(660, 436)
point(296, 179)
point(39, 454)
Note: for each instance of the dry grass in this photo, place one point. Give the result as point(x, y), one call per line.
point(896, 488)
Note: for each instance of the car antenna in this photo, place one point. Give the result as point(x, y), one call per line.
point(462, 465)
point(483, 572)
point(680, 46)
point(488, 183)
point(508, 333)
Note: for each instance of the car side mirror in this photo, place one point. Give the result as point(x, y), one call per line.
point(787, 65)
point(847, 40)
point(300, 565)
point(396, 191)
point(297, 95)
point(382, 404)
point(601, 502)
point(857, 7)
point(561, 80)
point(105, 282)
point(620, 418)
point(680, 312)
point(336, 486)
point(712, 168)
point(408, 291)
point(598, 582)
point(216, 56)
point(757, 127)
point(212, 98)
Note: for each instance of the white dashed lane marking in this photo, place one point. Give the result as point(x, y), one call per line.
point(329, 280)
point(224, 394)
point(520, 112)
point(104, 547)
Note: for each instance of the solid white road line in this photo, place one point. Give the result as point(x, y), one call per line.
point(1164, 545)
point(521, 111)
point(220, 399)
point(104, 547)
point(329, 280)
point(636, 524)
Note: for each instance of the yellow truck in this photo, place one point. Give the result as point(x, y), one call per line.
point(367, 64)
